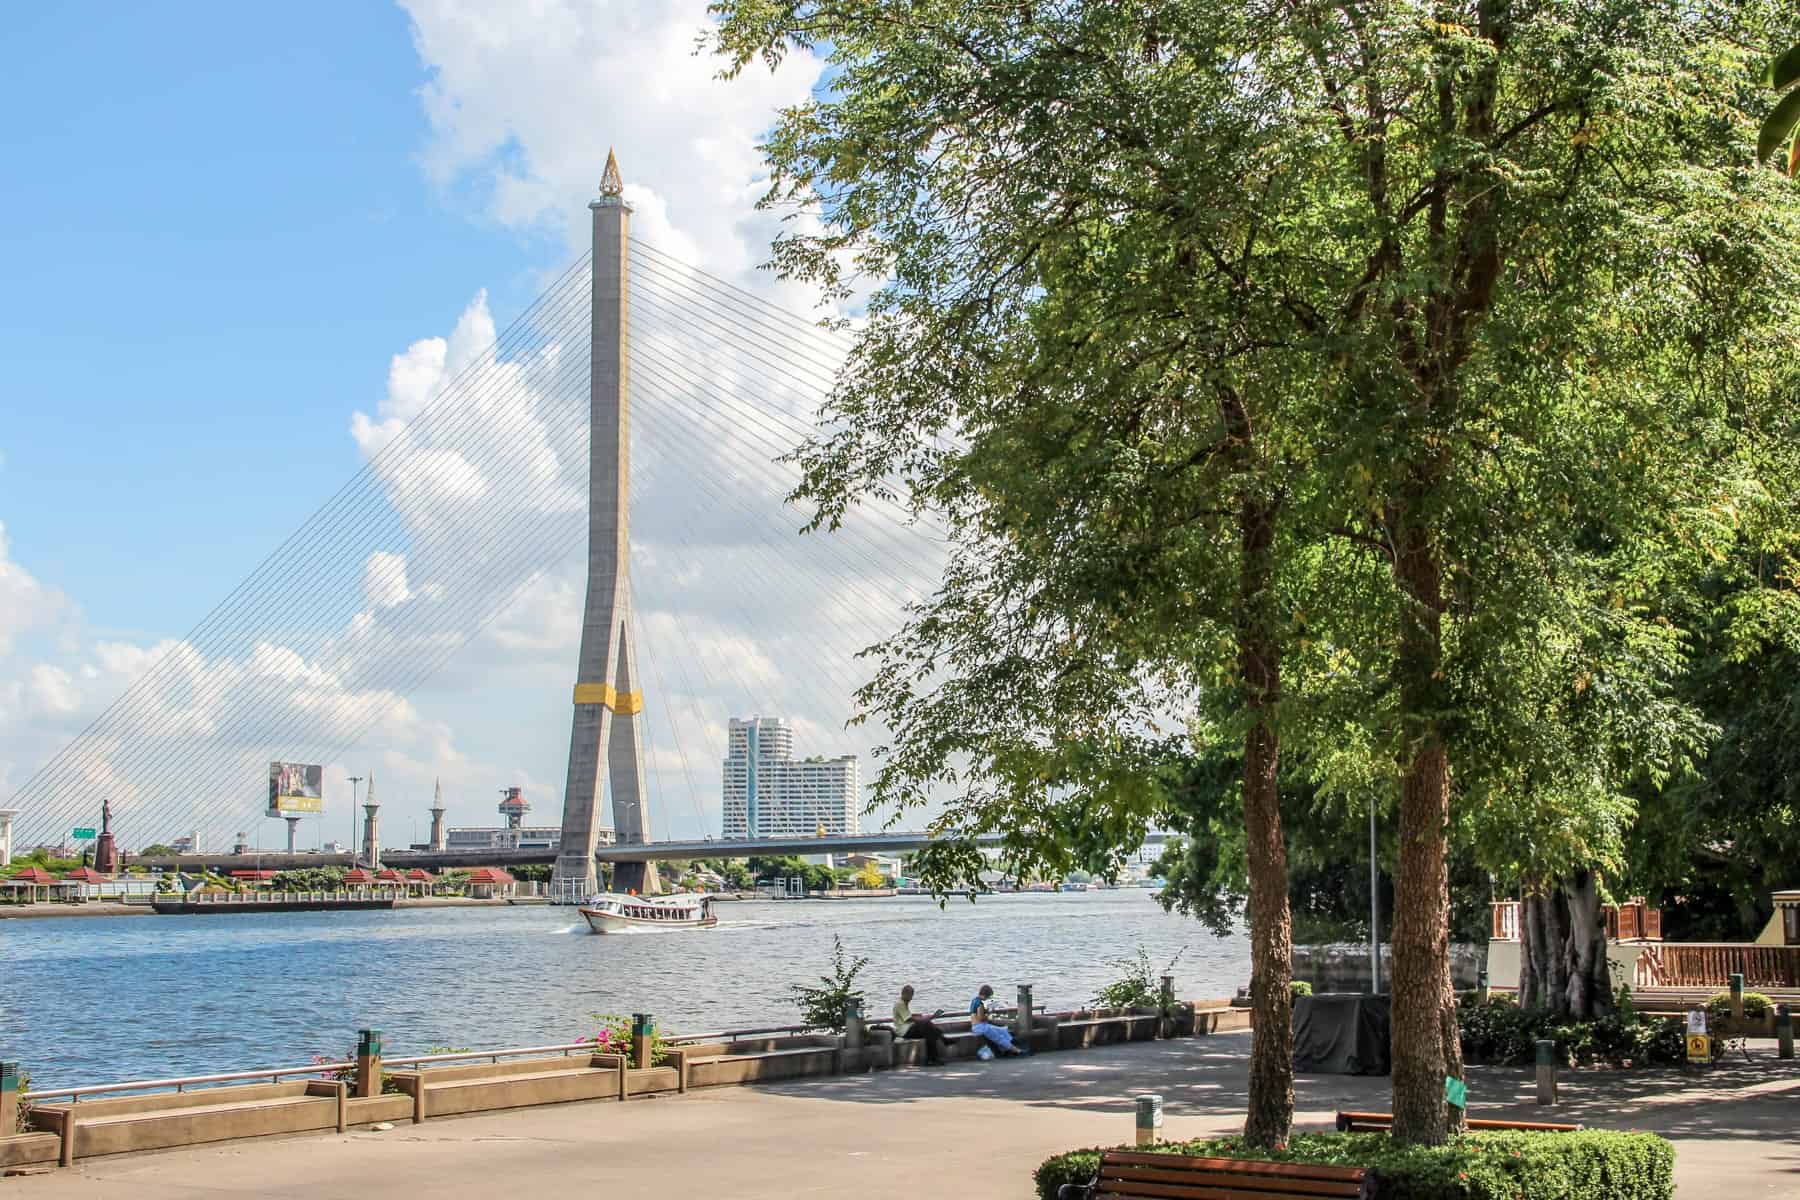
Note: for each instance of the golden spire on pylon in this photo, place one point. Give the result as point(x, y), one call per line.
point(610, 183)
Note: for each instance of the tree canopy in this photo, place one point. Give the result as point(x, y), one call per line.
point(1338, 377)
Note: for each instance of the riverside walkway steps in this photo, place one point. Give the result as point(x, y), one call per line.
point(478, 1087)
point(97, 1120)
point(156, 1122)
point(1130, 1175)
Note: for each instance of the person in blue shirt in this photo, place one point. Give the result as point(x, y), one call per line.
point(997, 1036)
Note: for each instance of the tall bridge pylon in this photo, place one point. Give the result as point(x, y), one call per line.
point(606, 734)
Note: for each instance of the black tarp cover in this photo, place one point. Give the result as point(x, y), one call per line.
point(1338, 1033)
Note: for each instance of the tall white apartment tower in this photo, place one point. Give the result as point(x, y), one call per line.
point(770, 793)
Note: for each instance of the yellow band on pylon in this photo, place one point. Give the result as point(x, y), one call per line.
point(623, 703)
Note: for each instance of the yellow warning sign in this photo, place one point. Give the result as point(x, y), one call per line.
point(1699, 1047)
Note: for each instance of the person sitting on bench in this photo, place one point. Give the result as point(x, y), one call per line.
point(997, 1036)
point(909, 1024)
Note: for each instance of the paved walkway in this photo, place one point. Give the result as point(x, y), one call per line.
point(972, 1130)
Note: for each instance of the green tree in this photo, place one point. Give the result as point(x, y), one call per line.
point(822, 1007)
point(1294, 369)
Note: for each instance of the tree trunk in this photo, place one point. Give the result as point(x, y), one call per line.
point(1426, 1047)
point(1271, 1102)
point(1563, 967)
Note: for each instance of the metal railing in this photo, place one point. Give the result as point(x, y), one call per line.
point(181, 1083)
point(565, 1049)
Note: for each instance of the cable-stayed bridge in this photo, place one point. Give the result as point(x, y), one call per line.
point(639, 410)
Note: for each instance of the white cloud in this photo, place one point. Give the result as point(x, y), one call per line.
point(384, 580)
point(26, 605)
point(525, 107)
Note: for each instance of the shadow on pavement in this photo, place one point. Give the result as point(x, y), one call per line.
point(1207, 1078)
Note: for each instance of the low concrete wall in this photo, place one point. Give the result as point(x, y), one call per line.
point(522, 1083)
point(28, 1150)
point(169, 1119)
point(164, 1119)
point(367, 1110)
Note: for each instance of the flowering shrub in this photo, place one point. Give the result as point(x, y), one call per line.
point(613, 1036)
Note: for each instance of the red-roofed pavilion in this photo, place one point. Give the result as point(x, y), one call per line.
point(34, 884)
point(489, 883)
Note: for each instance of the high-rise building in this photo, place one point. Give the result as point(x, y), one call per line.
point(770, 793)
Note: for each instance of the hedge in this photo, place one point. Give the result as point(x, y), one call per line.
point(1756, 1007)
point(1589, 1165)
point(1500, 1032)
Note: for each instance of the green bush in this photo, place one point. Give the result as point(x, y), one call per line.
point(1301, 988)
point(1139, 984)
point(1502, 1033)
point(1757, 1007)
point(823, 1007)
point(1485, 1166)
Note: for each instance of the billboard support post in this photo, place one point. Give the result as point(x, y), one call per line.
point(293, 824)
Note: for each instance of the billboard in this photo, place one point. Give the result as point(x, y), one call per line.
point(295, 788)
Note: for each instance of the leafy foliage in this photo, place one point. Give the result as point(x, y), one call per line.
point(309, 879)
point(1139, 984)
point(1757, 1007)
point(612, 1035)
point(1503, 1033)
point(822, 1007)
point(1300, 987)
point(1420, 359)
point(1502, 1165)
point(24, 1125)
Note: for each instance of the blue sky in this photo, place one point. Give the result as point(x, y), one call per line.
point(230, 232)
point(216, 232)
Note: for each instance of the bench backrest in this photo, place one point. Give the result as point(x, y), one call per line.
point(1129, 1175)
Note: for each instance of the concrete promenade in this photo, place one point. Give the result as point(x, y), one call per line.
point(973, 1130)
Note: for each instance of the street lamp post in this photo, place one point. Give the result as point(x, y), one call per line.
point(1374, 909)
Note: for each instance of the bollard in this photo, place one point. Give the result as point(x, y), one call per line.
point(1021, 1030)
point(1546, 1072)
point(1165, 1005)
point(1149, 1119)
point(1784, 1032)
point(1737, 1000)
point(850, 1053)
point(368, 1062)
point(643, 1030)
point(9, 1098)
point(1481, 985)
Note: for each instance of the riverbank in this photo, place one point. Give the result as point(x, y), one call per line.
point(109, 908)
point(898, 1134)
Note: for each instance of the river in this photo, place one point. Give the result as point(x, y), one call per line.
point(98, 999)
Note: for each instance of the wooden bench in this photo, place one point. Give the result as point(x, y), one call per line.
point(1350, 1122)
point(1135, 1175)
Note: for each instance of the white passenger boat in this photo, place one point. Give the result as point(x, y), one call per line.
point(613, 913)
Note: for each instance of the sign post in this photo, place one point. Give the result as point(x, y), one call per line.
point(1699, 1044)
